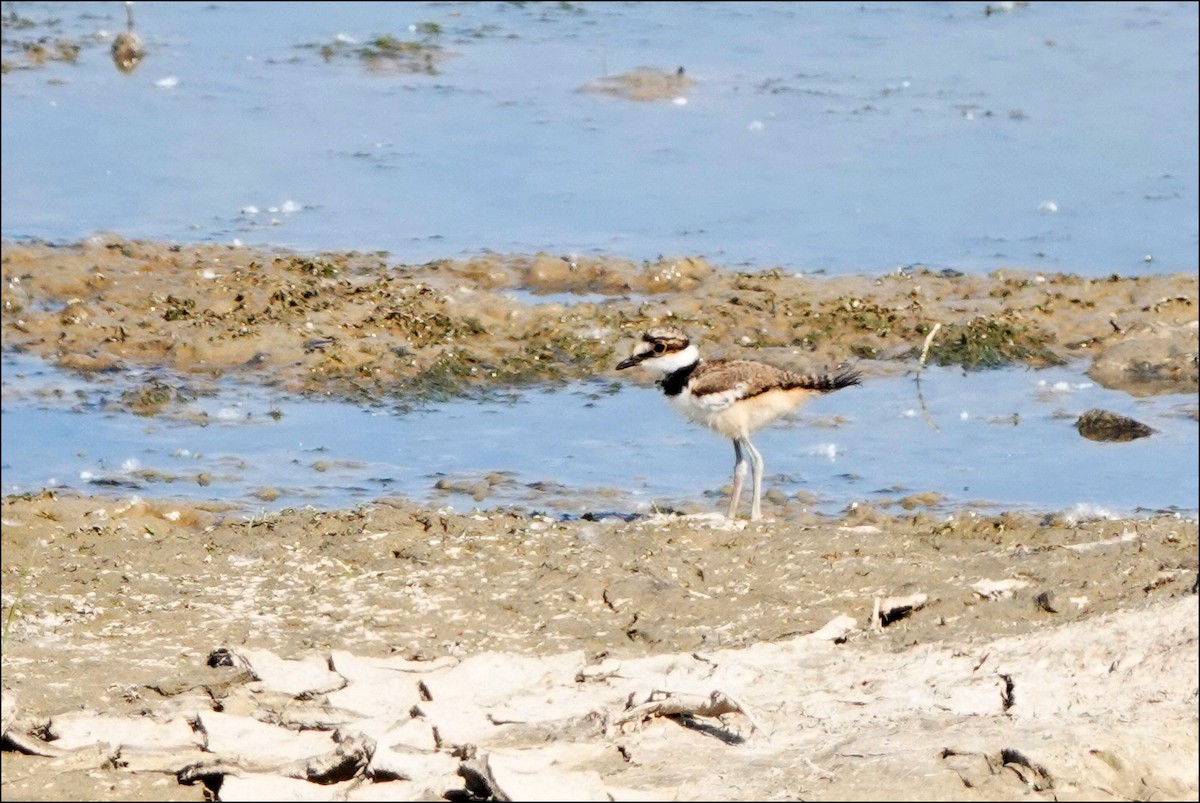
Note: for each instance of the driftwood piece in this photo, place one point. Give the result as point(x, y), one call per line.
point(348, 760)
point(674, 704)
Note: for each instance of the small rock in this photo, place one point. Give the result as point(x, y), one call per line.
point(1151, 357)
point(644, 84)
point(928, 499)
point(1104, 425)
point(548, 273)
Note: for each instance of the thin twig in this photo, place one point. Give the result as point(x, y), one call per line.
point(924, 356)
point(928, 342)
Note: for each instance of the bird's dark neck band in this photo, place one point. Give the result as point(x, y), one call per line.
point(674, 382)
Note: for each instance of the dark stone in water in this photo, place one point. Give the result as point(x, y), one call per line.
point(607, 514)
point(112, 482)
point(1104, 425)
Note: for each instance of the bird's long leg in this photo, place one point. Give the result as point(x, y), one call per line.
point(739, 476)
point(756, 466)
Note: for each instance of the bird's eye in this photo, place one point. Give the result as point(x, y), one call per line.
point(659, 348)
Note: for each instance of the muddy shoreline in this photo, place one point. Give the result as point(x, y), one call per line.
point(361, 327)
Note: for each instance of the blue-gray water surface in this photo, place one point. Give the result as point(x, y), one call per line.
point(993, 440)
point(838, 137)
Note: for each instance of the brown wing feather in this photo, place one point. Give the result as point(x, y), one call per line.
point(721, 375)
point(759, 377)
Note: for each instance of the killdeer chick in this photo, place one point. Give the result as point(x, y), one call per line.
point(733, 397)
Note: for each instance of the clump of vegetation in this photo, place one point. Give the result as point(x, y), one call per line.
point(472, 370)
point(388, 53)
point(545, 10)
point(12, 21)
point(428, 28)
point(419, 318)
point(33, 51)
point(306, 297)
point(178, 308)
point(45, 50)
point(420, 326)
point(37, 53)
point(152, 396)
point(988, 343)
point(313, 267)
point(582, 352)
point(868, 317)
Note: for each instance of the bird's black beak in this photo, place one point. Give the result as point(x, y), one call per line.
point(632, 360)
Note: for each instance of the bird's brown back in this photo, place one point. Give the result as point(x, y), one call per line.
point(759, 377)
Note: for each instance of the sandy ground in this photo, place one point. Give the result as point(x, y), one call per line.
point(109, 604)
point(116, 603)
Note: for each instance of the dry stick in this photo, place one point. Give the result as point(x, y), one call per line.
point(928, 342)
point(668, 703)
point(924, 356)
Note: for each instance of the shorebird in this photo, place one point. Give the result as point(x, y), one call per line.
point(732, 397)
point(127, 48)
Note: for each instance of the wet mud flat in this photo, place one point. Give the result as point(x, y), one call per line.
point(113, 605)
point(360, 326)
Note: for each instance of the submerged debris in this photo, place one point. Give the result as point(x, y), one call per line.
point(643, 84)
point(386, 53)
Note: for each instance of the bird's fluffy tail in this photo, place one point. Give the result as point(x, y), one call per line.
point(827, 383)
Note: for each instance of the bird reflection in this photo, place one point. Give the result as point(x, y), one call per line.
point(127, 48)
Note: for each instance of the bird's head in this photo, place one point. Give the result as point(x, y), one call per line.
point(663, 349)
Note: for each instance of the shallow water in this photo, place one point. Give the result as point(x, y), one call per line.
point(996, 439)
point(819, 137)
point(837, 137)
